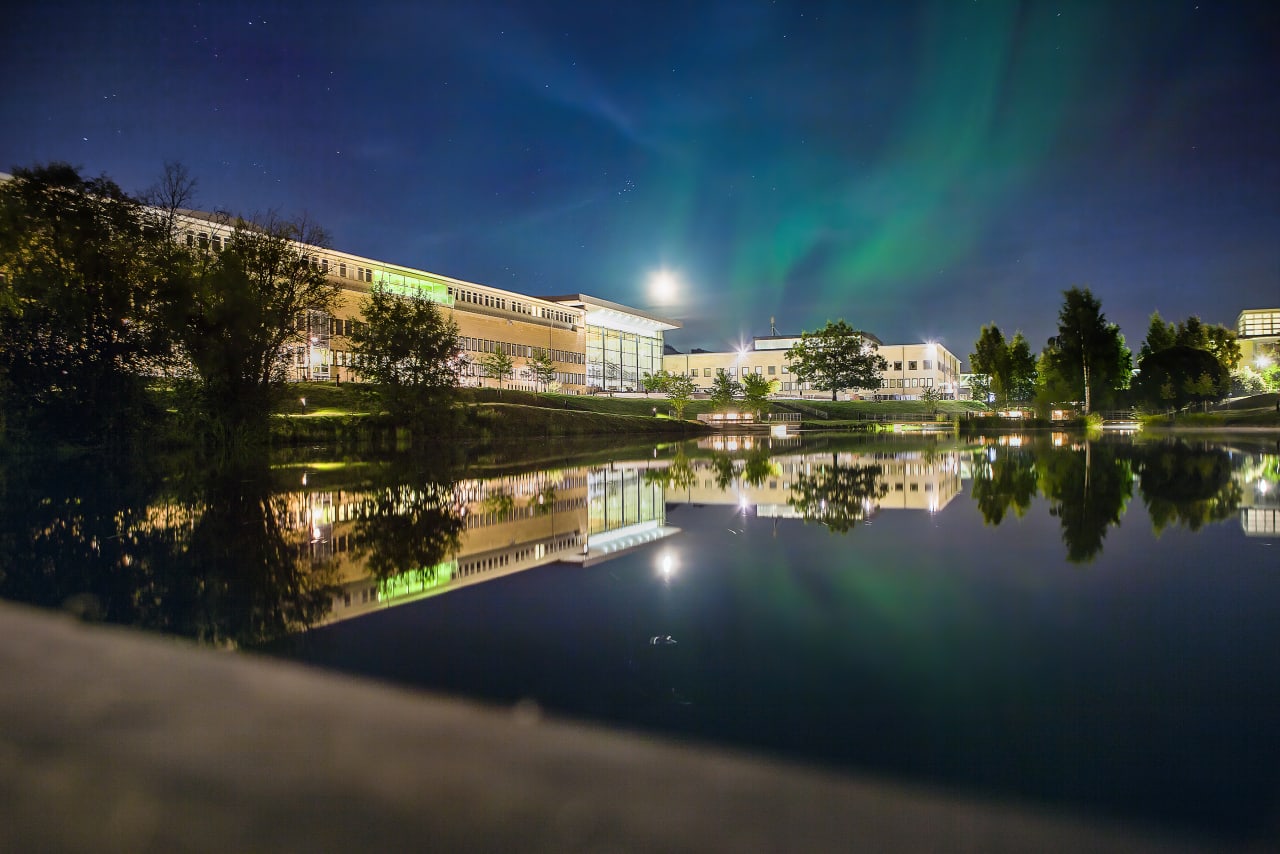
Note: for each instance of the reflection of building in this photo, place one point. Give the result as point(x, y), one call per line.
point(914, 480)
point(625, 342)
point(1259, 482)
point(509, 524)
point(912, 368)
point(1258, 332)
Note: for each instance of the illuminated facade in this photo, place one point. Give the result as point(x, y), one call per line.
point(575, 329)
point(622, 344)
point(912, 368)
point(1258, 333)
point(511, 523)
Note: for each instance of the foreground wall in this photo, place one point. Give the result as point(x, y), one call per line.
point(113, 741)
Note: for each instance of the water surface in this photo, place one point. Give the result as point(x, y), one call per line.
point(1088, 625)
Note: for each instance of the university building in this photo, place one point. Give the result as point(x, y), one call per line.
point(1258, 333)
point(595, 344)
point(912, 368)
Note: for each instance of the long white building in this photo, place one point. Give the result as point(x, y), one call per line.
point(912, 368)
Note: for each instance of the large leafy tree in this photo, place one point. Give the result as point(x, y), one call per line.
point(1022, 371)
point(724, 389)
point(1088, 353)
point(409, 350)
point(755, 393)
point(244, 310)
point(990, 359)
point(836, 357)
point(78, 303)
point(679, 389)
point(1178, 376)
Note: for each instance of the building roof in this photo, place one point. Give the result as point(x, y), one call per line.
point(612, 315)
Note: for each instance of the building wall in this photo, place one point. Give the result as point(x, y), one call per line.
point(488, 318)
point(906, 377)
point(1258, 333)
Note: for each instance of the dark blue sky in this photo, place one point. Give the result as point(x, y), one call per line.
point(918, 168)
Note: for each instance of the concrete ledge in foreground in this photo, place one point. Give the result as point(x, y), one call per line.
point(115, 741)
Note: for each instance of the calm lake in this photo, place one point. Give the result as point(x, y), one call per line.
point(1091, 626)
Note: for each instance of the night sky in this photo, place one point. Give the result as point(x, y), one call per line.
point(917, 168)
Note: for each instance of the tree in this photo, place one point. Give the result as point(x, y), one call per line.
point(1088, 353)
point(497, 365)
point(679, 391)
point(931, 395)
point(990, 358)
point(724, 389)
point(655, 382)
point(1160, 336)
point(836, 357)
point(1022, 371)
point(78, 303)
point(1212, 338)
point(543, 368)
point(755, 393)
point(1178, 376)
point(243, 311)
point(409, 349)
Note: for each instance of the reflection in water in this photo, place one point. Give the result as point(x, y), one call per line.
point(1186, 486)
point(233, 555)
point(200, 552)
point(940, 649)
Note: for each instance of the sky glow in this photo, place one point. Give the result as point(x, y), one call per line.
point(917, 168)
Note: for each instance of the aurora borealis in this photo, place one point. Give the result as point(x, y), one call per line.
point(917, 168)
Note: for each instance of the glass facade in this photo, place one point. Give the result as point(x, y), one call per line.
point(619, 498)
point(617, 361)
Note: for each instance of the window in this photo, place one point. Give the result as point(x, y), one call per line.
point(342, 269)
point(911, 365)
point(733, 372)
point(785, 369)
point(772, 370)
point(897, 366)
point(758, 371)
point(928, 365)
point(706, 372)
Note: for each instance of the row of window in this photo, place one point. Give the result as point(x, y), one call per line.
point(504, 304)
point(485, 345)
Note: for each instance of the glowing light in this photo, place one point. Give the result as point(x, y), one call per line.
point(663, 286)
point(668, 564)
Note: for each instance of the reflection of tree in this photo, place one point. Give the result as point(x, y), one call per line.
point(1184, 486)
point(545, 500)
point(208, 559)
point(836, 495)
point(757, 468)
point(1087, 490)
point(409, 526)
point(678, 475)
point(1008, 481)
point(498, 503)
point(723, 470)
